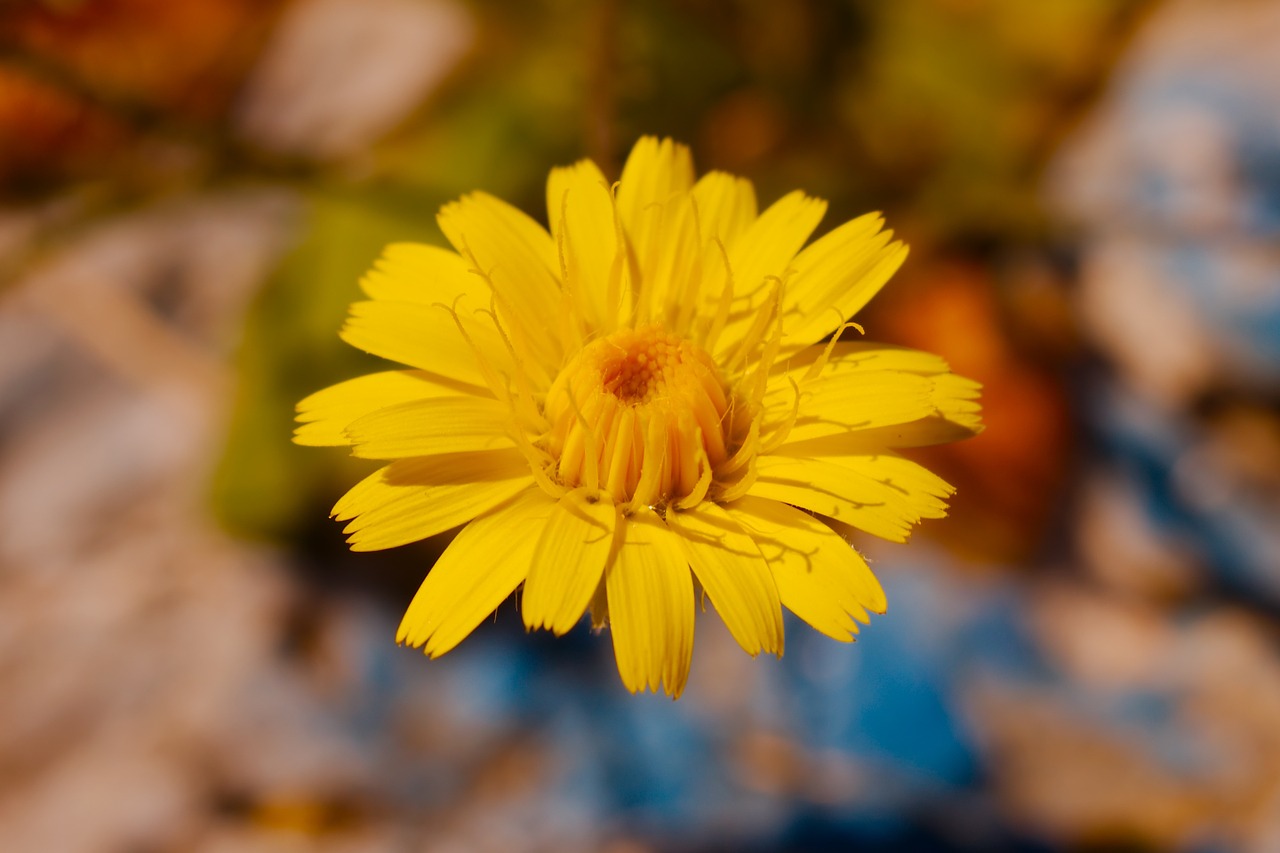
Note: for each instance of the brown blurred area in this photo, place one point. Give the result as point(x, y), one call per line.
point(1083, 656)
point(86, 82)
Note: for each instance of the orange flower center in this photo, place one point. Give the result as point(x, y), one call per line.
point(642, 414)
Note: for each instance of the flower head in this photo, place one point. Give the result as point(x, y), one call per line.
point(634, 400)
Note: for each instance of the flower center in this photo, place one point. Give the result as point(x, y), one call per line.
point(641, 414)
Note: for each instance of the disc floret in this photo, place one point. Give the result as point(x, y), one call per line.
point(644, 414)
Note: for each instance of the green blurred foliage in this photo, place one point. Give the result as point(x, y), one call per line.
point(959, 102)
point(266, 486)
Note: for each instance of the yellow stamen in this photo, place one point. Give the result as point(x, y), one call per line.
point(779, 435)
point(487, 371)
point(523, 406)
point(819, 364)
point(704, 480)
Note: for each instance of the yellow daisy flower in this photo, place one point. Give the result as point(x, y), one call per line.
point(638, 393)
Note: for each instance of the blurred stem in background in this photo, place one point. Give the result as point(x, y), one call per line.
point(602, 144)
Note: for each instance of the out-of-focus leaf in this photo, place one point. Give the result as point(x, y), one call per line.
point(265, 485)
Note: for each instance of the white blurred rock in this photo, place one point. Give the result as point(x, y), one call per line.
point(1165, 181)
point(1121, 548)
point(338, 74)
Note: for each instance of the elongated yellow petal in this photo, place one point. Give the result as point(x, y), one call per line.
point(325, 415)
point(657, 214)
point(921, 433)
point(769, 244)
point(412, 499)
point(850, 372)
point(863, 412)
point(836, 276)
point(651, 607)
point(424, 336)
point(476, 573)
point(820, 577)
point(850, 357)
point(766, 249)
point(416, 272)
point(671, 275)
point(580, 204)
point(831, 406)
point(437, 425)
point(569, 561)
point(956, 399)
point(726, 206)
point(656, 170)
point(879, 497)
point(518, 258)
point(923, 489)
point(735, 576)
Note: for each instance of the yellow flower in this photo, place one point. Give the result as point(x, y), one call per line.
point(638, 393)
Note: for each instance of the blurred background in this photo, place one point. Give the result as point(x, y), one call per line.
point(1084, 657)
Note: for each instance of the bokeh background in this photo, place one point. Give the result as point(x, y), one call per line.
point(1084, 656)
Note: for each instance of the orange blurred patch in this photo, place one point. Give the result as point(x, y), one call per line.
point(1010, 478)
point(741, 129)
point(80, 82)
point(41, 125)
point(186, 56)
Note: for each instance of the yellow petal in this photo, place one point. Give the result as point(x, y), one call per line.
point(475, 574)
point(766, 249)
point(412, 499)
point(769, 244)
point(820, 577)
point(657, 216)
point(656, 170)
point(723, 207)
point(855, 356)
point(925, 491)
point(453, 424)
point(580, 205)
point(921, 433)
point(836, 276)
point(735, 576)
point(568, 561)
point(424, 336)
point(653, 205)
point(842, 405)
point(853, 371)
point(650, 606)
point(518, 258)
point(956, 399)
point(416, 272)
point(880, 496)
point(325, 415)
point(854, 411)
point(671, 279)
point(726, 206)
